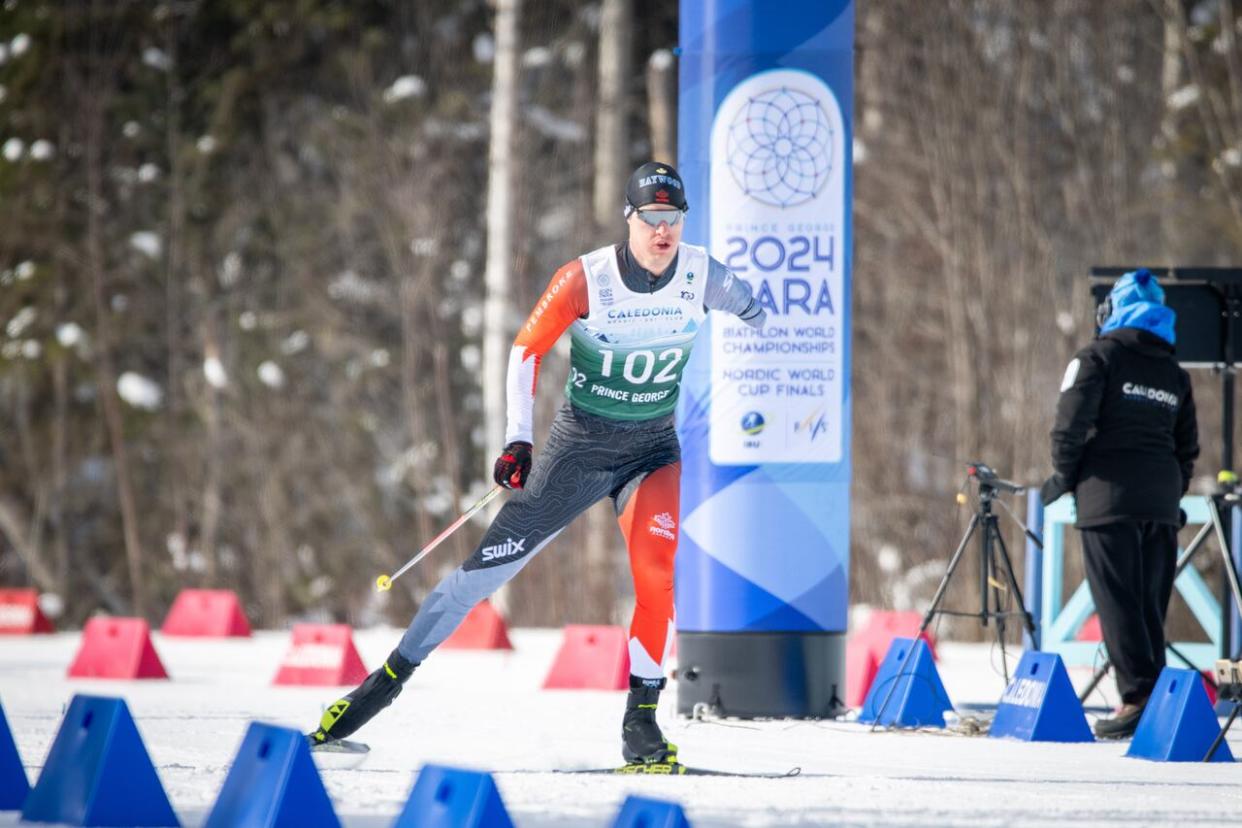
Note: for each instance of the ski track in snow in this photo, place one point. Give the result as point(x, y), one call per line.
point(486, 710)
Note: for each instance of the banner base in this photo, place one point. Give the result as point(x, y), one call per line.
point(798, 675)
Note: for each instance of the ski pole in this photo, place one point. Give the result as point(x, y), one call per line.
point(384, 582)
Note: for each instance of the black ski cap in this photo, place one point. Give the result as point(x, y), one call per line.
point(655, 183)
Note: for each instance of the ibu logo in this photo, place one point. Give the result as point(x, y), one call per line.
point(753, 423)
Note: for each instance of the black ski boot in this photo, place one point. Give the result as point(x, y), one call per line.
point(346, 715)
point(642, 743)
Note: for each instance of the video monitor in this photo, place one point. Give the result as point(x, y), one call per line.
point(1199, 297)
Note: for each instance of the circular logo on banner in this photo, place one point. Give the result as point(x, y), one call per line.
point(780, 147)
point(753, 422)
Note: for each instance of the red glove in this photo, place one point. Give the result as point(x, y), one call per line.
point(513, 465)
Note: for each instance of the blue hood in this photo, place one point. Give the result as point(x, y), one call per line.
point(1138, 302)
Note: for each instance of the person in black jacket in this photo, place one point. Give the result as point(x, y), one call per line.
point(1125, 443)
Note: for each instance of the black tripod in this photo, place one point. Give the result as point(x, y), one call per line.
point(995, 573)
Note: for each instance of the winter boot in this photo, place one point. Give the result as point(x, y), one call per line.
point(1123, 723)
point(346, 715)
point(642, 743)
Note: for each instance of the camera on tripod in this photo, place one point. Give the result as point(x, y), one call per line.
point(986, 476)
point(1000, 597)
point(1229, 680)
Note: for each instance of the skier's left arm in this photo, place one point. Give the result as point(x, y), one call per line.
point(726, 292)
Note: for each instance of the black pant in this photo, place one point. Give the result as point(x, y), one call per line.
point(1130, 572)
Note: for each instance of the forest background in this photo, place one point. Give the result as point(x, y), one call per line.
point(257, 258)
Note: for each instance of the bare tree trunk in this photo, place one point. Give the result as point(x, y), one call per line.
point(611, 163)
point(413, 405)
point(610, 111)
point(1170, 81)
point(497, 305)
point(60, 407)
point(662, 105)
point(450, 446)
point(178, 455)
point(209, 517)
point(273, 562)
point(1216, 114)
point(105, 370)
point(18, 531)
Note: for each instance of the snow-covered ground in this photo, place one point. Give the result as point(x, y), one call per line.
point(486, 710)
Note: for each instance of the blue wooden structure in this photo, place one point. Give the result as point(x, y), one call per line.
point(1059, 620)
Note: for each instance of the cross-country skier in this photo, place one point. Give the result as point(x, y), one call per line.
point(633, 310)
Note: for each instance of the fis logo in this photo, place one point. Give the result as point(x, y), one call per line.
point(690, 277)
point(753, 423)
point(663, 526)
point(815, 424)
point(507, 549)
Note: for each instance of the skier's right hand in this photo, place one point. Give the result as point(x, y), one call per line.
point(513, 465)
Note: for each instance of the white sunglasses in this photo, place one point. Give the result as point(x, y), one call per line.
point(657, 217)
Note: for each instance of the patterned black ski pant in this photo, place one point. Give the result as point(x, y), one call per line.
point(586, 459)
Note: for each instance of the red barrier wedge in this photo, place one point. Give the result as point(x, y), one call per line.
point(1090, 630)
point(322, 655)
point(867, 646)
point(1209, 684)
point(20, 613)
point(117, 648)
point(861, 664)
point(482, 629)
point(885, 625)
point(591, 658)
point(209, 613)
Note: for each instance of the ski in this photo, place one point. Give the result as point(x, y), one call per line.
point(671, 769)
point(338, 754)
point(340, 746)
point(361, 749)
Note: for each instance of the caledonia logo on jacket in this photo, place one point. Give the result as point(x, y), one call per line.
point(1145, 393)
point(624, 314)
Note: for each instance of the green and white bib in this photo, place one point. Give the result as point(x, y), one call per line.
point(627, 355)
